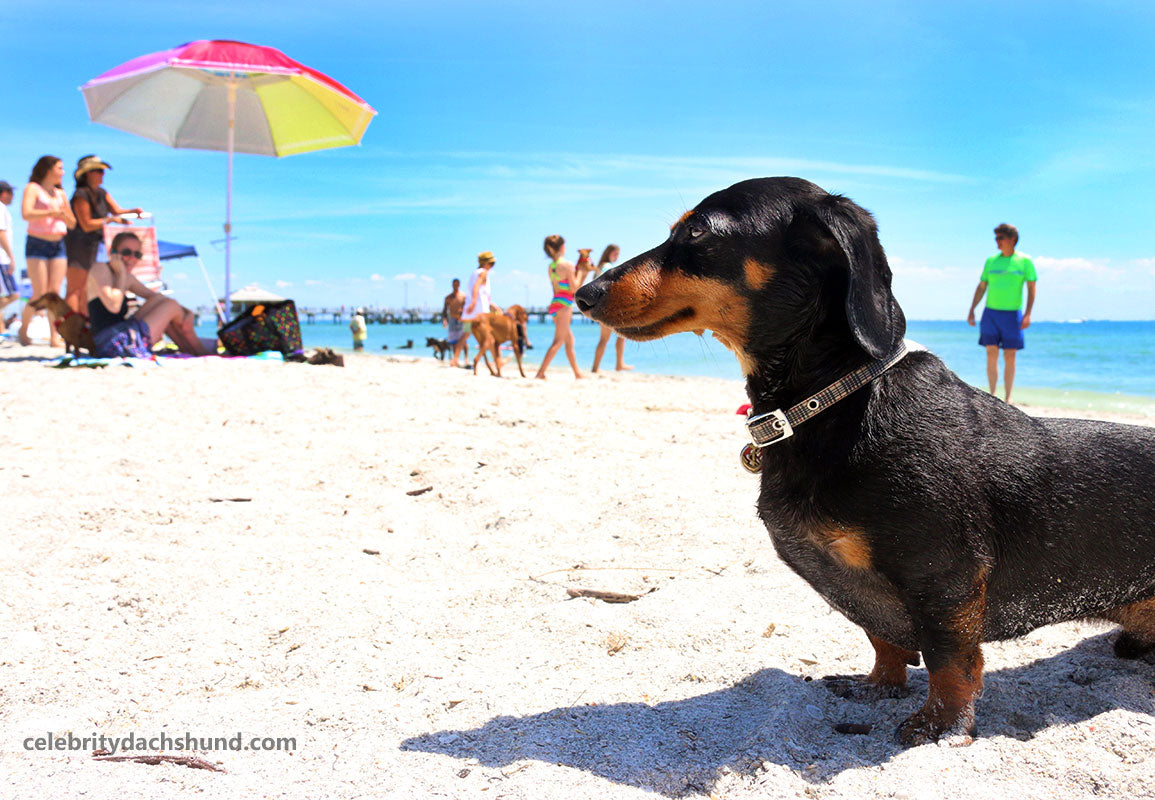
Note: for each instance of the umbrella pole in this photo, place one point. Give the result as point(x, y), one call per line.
point(229, 197)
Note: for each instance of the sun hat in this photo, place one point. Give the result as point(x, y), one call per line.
point(486, 257)
point(88, 164)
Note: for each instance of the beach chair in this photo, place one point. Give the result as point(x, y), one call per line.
point(154, 253)
point(148, 269)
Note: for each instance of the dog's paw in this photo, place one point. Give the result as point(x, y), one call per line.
point(925, 726)
point(861, 689)
point(1128, 645)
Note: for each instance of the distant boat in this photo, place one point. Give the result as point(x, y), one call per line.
point(1075, 321)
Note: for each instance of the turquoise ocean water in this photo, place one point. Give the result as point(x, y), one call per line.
point(1094, 365)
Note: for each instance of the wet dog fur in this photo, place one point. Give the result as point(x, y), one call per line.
point(929, 513)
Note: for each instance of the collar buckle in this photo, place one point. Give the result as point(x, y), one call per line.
point(770, 428)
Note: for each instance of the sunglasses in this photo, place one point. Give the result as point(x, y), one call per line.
point(125, 253)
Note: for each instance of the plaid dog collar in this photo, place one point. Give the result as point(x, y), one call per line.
point(777, 425)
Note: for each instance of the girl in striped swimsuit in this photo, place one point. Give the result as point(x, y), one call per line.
point(561, 277)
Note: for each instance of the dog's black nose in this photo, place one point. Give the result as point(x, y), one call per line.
point(590, 295)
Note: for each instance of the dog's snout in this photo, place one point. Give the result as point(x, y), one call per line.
point(589, 296)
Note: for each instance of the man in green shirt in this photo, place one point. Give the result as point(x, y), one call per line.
point(1003, 322)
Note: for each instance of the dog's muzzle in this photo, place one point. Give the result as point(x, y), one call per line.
point(590, 296)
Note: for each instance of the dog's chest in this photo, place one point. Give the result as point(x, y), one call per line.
point(837, 561)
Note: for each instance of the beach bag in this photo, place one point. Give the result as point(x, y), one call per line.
point(266, 326)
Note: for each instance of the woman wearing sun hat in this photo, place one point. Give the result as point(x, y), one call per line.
point(93, 207)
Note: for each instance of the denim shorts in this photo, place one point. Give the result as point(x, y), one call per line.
point(1002, 328)
point(128, 338)
point(36, 247)
point(9, 281)
point(454, 331)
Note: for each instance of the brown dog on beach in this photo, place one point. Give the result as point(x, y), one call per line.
point(495, 328)
point(583, 266)
point(73, 325)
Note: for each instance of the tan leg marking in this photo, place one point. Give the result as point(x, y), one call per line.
point(890, 662)
point(950, 704)
point(1136, 618)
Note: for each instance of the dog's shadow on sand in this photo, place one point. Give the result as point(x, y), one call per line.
point(680, 747)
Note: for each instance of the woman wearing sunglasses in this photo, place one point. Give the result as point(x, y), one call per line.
point(117, 334)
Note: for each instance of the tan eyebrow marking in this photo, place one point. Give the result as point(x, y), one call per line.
point(757, 273)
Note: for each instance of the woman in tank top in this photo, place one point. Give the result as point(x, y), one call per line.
point(561, 278)
point(609, 256)
point(93, 206)
point(477, 294)
point(45, 208)
point(115, 333)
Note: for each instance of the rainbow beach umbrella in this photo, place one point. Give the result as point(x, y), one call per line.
point(229, 96)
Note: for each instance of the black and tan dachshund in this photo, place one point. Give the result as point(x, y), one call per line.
point(931, 514)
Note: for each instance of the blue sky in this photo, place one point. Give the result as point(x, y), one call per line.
point(502, 122)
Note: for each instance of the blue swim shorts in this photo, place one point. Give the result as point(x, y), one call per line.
point(35, 247)
point(129, 338)
point(9, 281)
point(455, 330)
point(1001, 328)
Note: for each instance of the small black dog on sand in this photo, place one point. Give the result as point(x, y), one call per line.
point(441, 347)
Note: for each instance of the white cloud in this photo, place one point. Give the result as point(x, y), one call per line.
point(376, 278)
point(426, 279)
point(405, 276)
point(283, 284)
point(1077, 266)
point(920, 269)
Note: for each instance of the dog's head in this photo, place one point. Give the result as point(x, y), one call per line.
point(431, 342)
point(584, 254)
point(517, 313)
point(761, 264)
point(520, 320)
point(46, 301)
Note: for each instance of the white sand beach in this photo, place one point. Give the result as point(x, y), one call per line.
point(235, 546)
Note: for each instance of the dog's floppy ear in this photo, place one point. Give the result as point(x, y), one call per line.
point(842, 231)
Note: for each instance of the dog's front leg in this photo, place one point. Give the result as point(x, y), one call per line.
point(951, 636)
point(950, 705)
point(886, 679)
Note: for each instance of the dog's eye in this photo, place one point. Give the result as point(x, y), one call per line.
point(693, 231)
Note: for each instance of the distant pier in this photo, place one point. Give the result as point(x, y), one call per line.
point(388, 316)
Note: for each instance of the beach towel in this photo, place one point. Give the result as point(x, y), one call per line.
point(65, 361)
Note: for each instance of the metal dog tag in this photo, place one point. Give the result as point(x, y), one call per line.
point(751, 458)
